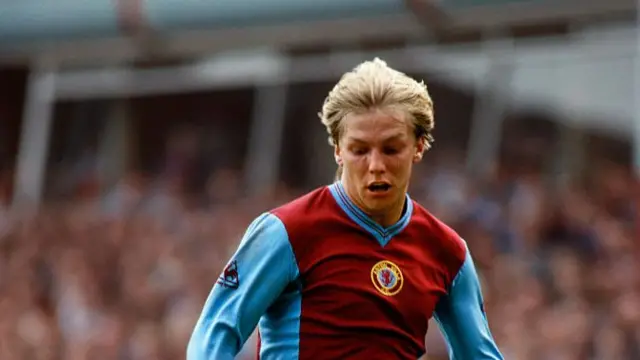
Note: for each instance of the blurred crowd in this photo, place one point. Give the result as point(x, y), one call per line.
point(124, 274)
point(560, 268)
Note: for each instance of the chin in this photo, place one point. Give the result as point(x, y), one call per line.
point(377, 206)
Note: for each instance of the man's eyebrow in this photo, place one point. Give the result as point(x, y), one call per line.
point(357, 140)
point(394, 138)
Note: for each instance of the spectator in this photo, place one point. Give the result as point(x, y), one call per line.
point(114, 280)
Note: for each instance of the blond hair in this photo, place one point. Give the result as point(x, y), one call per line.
point(374, 85)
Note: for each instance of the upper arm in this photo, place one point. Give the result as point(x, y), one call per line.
point(257, 274)
point(461, 317)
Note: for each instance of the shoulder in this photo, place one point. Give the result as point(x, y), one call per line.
point(440, 237)
point(304, 209)
point(307, 219)
point(265, 230)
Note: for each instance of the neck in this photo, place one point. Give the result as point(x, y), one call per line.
point(385, 217)
point(391, 216)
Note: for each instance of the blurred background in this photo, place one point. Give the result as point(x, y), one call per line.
point(138, 139)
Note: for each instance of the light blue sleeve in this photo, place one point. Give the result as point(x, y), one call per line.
point(462, 320)
point(256, 275)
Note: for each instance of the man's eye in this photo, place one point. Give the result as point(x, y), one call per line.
point(359, 151)
point(390, 151)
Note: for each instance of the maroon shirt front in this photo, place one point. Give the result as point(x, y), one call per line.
point(367, 292)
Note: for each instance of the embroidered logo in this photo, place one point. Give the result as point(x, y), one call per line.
point(229, 277)
point(387, 278)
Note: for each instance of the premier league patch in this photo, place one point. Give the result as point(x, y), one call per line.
point(387, 278)
point(229, 277)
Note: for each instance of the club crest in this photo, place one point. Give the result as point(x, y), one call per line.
point(387, 278)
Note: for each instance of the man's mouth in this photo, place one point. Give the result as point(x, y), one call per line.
point(379, 187)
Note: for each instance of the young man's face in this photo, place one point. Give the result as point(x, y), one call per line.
point(377, 151)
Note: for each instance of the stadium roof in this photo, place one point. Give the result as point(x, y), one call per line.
point(70, 28)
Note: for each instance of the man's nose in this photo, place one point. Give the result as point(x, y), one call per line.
point(376, 162)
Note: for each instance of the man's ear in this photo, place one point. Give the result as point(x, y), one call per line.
point(419, 152)
point(337, 154)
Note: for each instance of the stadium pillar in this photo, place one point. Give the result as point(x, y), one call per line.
point(114, 144)
point(322, 167)
point(490, 108)
point(262, 167)
point(34, 138)
point(570, 154)
point(636, 117)
point(570, 151)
